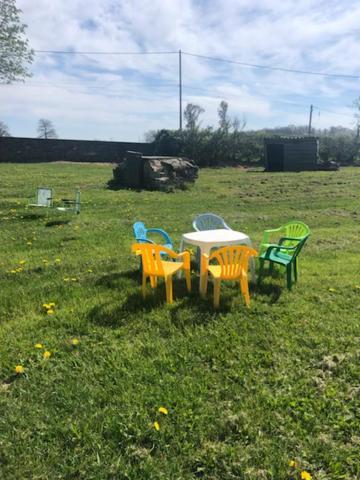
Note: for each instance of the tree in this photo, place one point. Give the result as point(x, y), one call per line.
point(4, 130)
point(15, 54)
point(46, 129)
point(224, 120)
point(192, 113)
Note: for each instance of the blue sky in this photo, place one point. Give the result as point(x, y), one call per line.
point(120, 97)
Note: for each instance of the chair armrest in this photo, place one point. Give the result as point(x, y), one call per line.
point(293, 239)
point(144, 240)
point(266, 234)
point(277, 248)
point(161, 232)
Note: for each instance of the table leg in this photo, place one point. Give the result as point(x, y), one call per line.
point(181, 249)
point(251, 262)
point(203, 274)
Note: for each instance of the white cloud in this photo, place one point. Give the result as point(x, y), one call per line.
point(121, 97)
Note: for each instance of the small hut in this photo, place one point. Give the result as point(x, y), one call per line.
point(291, 154)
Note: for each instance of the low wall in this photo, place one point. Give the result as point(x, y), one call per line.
point(35, 150)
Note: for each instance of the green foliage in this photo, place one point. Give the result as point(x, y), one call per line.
point(247, 389)
point(15, 54)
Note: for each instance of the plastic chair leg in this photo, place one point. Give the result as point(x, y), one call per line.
point(188, 280)
point(169, 289)
point(204, 276)
point(295, 270)
point(144, 285)
point(244, 287)
point(288, 276)
point(216, 292)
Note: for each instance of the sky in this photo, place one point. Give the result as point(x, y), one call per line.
point(121, 97)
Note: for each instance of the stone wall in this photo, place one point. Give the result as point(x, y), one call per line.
point(34, 150)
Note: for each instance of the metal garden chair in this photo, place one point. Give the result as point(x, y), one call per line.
point(44, 197)
point(69, 205)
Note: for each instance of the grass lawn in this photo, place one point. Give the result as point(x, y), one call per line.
point(247, 390)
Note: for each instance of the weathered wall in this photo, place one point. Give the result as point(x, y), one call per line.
point(33, 150)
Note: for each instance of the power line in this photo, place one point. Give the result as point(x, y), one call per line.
point(76, 52)
point(216, 59)
point(268, 67)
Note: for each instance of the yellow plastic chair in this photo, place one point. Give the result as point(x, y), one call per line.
point(232, 264)
point(154, 266)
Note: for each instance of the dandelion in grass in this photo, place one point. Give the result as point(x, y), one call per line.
point(38, 345)
point(89, 270)
point(50, 311)
point(156, 426)
point(292, 463)
point(22, 262)
point(332, 290)
point(305, 475)
point(19, 369)
point(74, 279)
point(28, 243)
point(66, 279)
point(75, 341)
point(163, 410)
point(47, 355)
point(57, 260)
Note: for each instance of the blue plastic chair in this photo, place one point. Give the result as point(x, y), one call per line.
point(209, 221)
point(141, 235)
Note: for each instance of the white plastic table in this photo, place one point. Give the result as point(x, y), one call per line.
point(208, 239)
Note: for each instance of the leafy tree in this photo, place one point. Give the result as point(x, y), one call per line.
point(4, 130)
point(15, 54)
point(224, 120)
point(46, 129)
point(192, 113)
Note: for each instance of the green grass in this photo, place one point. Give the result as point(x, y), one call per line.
point(247, 389)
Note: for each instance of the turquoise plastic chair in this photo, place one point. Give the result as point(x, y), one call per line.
point(284, 255)
point(141, 235)
point(209, 221)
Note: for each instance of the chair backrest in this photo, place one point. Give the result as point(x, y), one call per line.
point(151, 257)
point(233, 260)
point(140, 231)
point(296, 229)
point(44, 196)
point(209, 221)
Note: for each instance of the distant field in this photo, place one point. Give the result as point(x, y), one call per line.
point(247, 390)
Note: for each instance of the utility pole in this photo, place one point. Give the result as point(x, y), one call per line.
point(310, 119)
point(180, 93)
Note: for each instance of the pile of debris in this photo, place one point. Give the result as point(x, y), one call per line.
point(153, 173)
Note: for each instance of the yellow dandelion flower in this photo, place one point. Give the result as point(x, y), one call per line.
point(50, 311)
point(66, 279)
point(19, 369)
point(52, 304)
point(13, 271)
point(332, 290)
point(28, 243)
point(305, 475)
point(156, 426)
point(57, 260)
point(292, 463)
point(38, 345)
point(45, 262)
point(163, 410)
point(22, 262)
point(74, 279)
point(47, 354)
point(75, 341)
point(90, 271)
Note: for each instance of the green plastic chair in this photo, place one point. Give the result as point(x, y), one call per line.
point(285, 255)
point(294, 229)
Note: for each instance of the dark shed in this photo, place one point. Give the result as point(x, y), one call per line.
point(291, 154)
